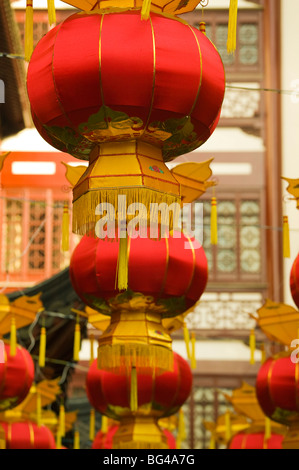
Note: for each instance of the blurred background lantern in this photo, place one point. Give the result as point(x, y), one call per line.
point(148, 92)
point(157, 396)
point(294, 281)
point(155, 291)
point(16, 377)
point(247, 440)
point(27, 435)
point(277, 393)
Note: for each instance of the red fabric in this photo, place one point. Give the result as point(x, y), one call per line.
point(277, 388)
point(154, 70)
point(16, 377)
point(294, 281)
point(256, 441)
point(166, 392)
point(105, 440)
point(159, 268)
point(28, 435)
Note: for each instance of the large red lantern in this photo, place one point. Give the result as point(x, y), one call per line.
point(148, 92)
point(256, 440)
point(160, 395)
point(27, 435)
point(277, 391)
point(165, 278)
point(157, 396)
point(294, 281)
point(16, 377)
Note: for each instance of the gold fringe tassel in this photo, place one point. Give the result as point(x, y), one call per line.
point(38, 408)
point(214, 231)
point(267, 428)
point(232, 27)
point(13, 337)
point(228, 430)
point(187, 340)
point(42, 347)
point(62, 420)
point(65, 242)
point(122, 264)
point(118, 358)
point(193, 356)
point(139, 445)
point(286, 237)
point(51, 12)
point(181, 436)
point(145, 10)
point(212, 441)
point(58, 440)
point(92, 424)
point(252, 346)
point(29, 30)
point(104, 426)
point(84, 207)
point(91, 339)
point(76, 440)
point(77, 341)
point(134, 390)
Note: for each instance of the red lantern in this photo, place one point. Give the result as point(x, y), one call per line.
point(27, 435)
point(160, 73)
point(148, 92)
point(109, 393)
point(172, 271)
point(245, 440)
point(105, 440)
point(16, 377)
point(294, 281)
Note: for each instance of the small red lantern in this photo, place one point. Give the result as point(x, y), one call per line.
point(16, 377)
point(294, 281)
point(27, 435)
point(277, 391)
point(257, 440)
point(163, 394)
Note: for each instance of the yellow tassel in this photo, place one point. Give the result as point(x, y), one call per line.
point(212, 441)
point(214, 234)
point(76, 440)
point(51, 12)
point(65, 228)
point(267, 428)
point(232, 26)
point(187, 340)
point(29, 30)
point(122, 264)
point(145, 10)
point(92, 424)
point(91, 339)
point(13, 337)
point(263, 357)
point(286, 237)
point(228, 430)
point(252, 346)
point(58, 440)
point(202, 27)
point(62, 420)
point(38, 408)
point(104, 427)
point(42, 347)
point(181, 436)
point(134, 390)
point(193, 356)
point(77, 341)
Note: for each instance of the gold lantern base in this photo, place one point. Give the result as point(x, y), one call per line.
point(135, 340)
point(121, 174)
point(139, 433)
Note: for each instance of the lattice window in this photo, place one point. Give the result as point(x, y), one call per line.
point(12, 237)
point(205, 404)
point(238, 254)
point(37, 236)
